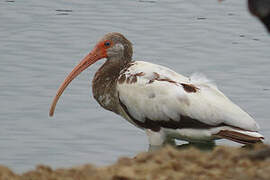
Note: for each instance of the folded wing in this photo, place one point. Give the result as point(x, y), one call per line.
point(154, 96)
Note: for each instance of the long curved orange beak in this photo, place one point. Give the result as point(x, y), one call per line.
point(97, 53)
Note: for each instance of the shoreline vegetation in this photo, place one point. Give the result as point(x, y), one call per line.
point(165, 164)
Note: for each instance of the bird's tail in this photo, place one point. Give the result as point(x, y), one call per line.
point(240, 136)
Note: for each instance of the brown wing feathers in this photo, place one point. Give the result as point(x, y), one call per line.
point(238, 137)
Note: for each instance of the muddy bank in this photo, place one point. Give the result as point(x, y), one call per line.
point(167, 163)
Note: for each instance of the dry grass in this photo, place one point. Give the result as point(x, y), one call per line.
point(166, 164)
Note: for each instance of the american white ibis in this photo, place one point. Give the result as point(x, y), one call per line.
point(165, 104)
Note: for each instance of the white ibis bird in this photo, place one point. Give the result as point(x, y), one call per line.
point(165, 104)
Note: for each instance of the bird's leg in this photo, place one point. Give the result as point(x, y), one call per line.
point(158, 139)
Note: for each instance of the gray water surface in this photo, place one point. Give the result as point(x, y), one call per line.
point(41, 42)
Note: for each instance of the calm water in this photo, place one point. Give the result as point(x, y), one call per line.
point(41, 41)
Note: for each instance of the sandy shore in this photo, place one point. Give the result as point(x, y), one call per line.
point(166, 164)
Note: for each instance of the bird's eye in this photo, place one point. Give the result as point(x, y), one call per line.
point(107, 43)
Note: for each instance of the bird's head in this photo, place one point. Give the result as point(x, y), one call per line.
point(113, 46)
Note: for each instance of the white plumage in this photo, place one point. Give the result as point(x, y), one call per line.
point(164, 98)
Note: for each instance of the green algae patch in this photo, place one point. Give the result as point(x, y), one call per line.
point(166, 164)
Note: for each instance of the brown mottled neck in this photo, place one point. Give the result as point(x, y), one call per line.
point(104, 83)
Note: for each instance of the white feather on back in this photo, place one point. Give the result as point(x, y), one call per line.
point(164, 100)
